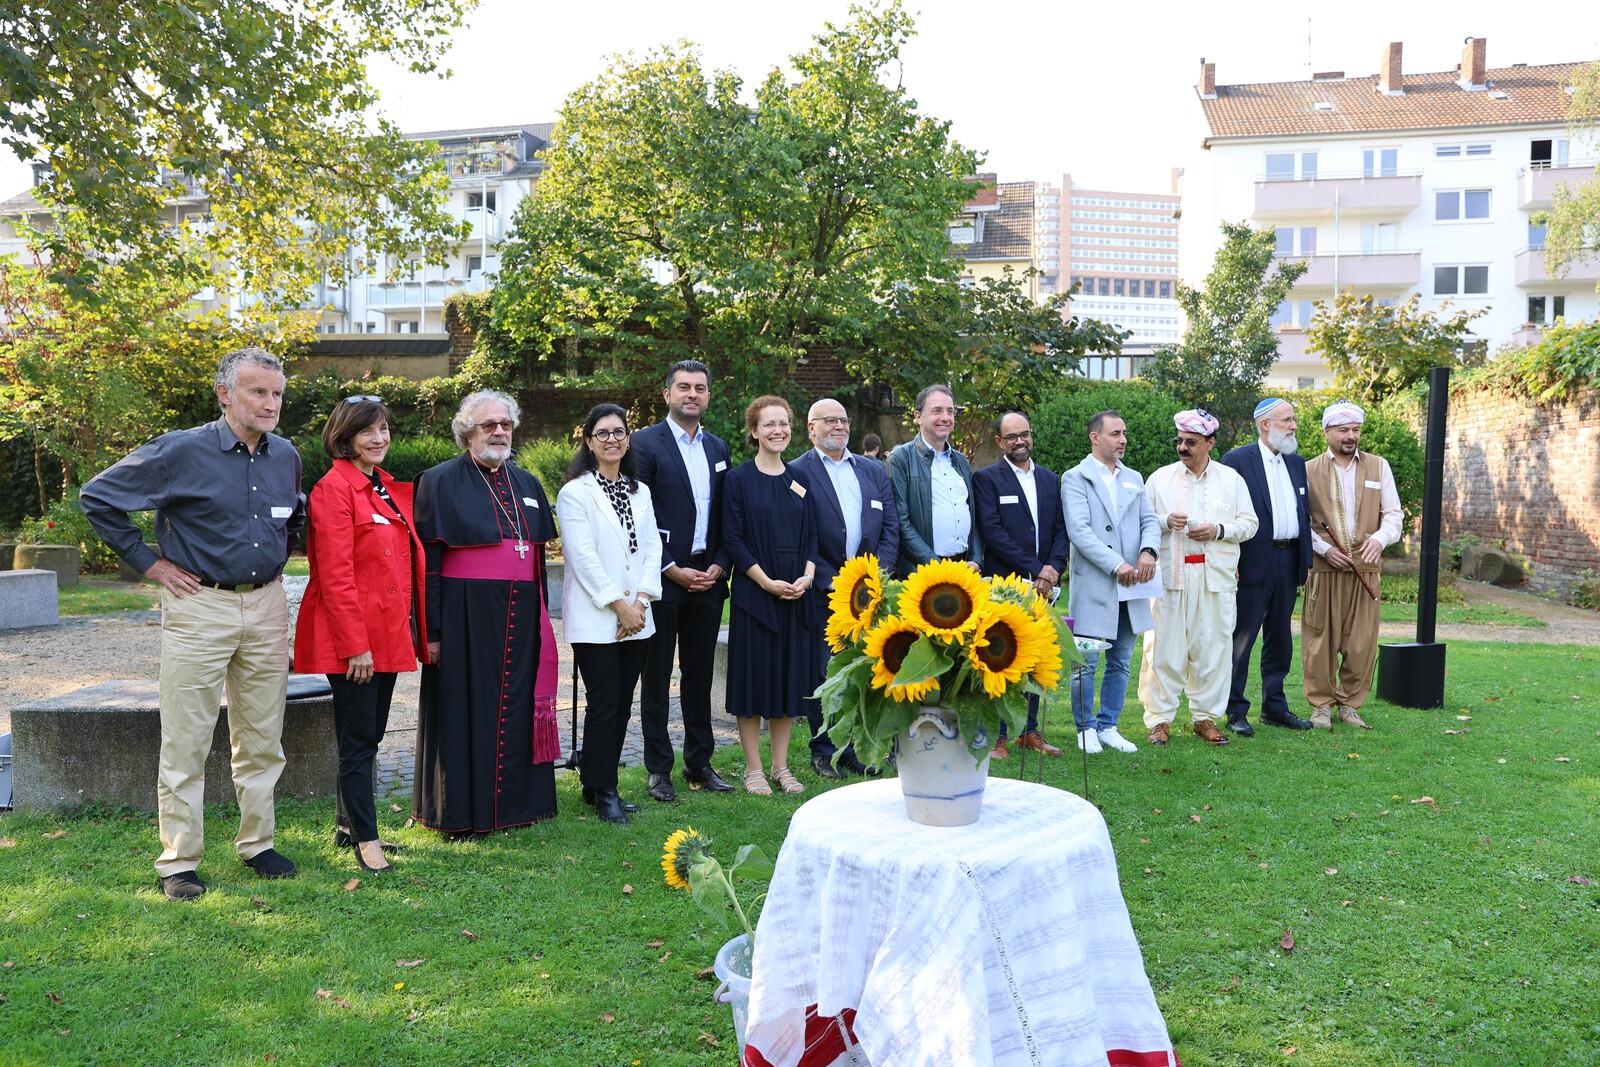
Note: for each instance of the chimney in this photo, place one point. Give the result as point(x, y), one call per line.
point(1389, 71)
point(1208, 80)
point(1473, 63)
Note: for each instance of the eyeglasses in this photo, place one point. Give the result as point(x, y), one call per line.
point(834, 420)
point(1013, 438)
point(359, 399)
point(497, 424)
point(610, 435)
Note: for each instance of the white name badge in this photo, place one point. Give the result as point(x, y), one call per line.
point(282, 513)
point(379, 519)
point(1008, 500)
point(799, 490)
point(722, 465)
point(1374, 485)
point(530, 502)
point(877, 505)
point(1302, 490)
point(1131, 485)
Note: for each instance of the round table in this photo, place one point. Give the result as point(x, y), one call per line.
point(883, 941)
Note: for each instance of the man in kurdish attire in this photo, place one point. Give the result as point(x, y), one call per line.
point(1205, 509)
point(1355, 515)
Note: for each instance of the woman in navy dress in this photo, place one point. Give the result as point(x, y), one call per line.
point(772, 628)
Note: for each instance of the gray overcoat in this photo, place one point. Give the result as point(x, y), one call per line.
point(1101, 542)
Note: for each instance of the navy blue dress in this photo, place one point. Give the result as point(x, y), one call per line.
point(772, 643)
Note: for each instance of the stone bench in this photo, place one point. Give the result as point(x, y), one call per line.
point(101, 745)
point(28, 598)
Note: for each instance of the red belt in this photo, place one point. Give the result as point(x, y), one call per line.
point(1194, 559)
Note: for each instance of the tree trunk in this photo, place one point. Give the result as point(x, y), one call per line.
point(38, 476)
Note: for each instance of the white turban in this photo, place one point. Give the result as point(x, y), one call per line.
point(1343, 413)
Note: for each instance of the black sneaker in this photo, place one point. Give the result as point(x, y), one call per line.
point(271, 864)
point(185, 885)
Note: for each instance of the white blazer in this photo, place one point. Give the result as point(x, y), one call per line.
point(599, 567)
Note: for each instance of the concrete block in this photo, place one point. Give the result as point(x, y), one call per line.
point(557, 570)
point(719, 676)
point(8, 550)
point(63, 559)
point(101, 744)
point(28, 598)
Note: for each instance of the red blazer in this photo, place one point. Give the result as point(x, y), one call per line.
point(366, 572)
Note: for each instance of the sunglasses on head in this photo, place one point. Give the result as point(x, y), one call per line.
point(359, 399)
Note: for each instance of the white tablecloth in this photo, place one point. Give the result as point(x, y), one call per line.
point(1003, 942)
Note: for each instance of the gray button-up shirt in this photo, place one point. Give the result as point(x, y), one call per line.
point(221, 512)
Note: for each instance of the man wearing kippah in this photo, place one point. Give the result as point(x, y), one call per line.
point(1205, 513)
point(1355, 514)
point(1272, 564)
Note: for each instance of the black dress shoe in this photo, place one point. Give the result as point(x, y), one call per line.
point(706, 778)
point(1241, 726)
point(1288, 720)
point(824, 766)
point(852, 763)
point(661, 788)
point(271, 864)
point(185, 885)
point(589, 795)
point(342, 839)
point(608, 805)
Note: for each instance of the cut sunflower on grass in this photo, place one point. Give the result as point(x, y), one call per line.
point(687, 863)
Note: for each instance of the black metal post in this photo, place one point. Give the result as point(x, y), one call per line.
point(1432, 504)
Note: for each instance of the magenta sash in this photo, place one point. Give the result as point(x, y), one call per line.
point(502, 563)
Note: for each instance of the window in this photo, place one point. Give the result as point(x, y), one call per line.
point(1538, 305)
point(1537, 234)
point(962, 234)
point(1548, 151)
point(1293, 314)
point(1463, 280)
point(477, 200)
point(1305, 383)
point(1119, 287)
point(474, 265)
point(1479, 150)
point(1281, 166)
point(1166, 290)
point(1288, 245)
point(1379, 162)
point(1149, 289)
point(1105, 286)
point(1451, 205)
point(1378, 237)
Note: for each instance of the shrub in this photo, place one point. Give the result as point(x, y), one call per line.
point(1402, 589)
point(410, 456)
point(1584, 592)
point(1387, 433)
point(65, 524)
point(1060, 426)
point(548, 458)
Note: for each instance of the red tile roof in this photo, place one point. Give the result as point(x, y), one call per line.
point(1533, 95)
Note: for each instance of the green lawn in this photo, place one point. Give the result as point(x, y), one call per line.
point(84, 599)
point(1459, 930)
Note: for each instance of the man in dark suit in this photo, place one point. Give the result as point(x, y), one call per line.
point(933, 488)
point(855, 514)
point(1024, 532)
point(684, 465)
point(1272, 564)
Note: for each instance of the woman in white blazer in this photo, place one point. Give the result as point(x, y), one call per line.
point(613, 572)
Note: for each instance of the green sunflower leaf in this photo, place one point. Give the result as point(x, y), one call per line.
point(924, 660)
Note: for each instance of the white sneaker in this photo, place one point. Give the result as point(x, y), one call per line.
point(1111, 739)
point(1089, 741)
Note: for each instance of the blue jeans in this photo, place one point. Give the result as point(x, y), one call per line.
point(1113, 687)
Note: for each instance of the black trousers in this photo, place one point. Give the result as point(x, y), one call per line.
point(1266, 609)
point(687, 625)
point(610, 676)
point(360, 716)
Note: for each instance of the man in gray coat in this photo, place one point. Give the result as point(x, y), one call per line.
point(933, 489)
point(1114, 536)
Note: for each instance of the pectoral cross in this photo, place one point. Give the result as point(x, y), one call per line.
point(522, 550)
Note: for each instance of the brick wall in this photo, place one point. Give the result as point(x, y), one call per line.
point(1528, 474)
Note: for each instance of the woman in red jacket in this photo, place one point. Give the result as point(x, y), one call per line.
point(361, 617)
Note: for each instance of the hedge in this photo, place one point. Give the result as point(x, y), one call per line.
point(1061, 424)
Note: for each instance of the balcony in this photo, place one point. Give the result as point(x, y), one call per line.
point(1530, 269)
point(431, 292)
point(1355, 270)
point(486, 225)
point(1536, 185)
point(1352, 194)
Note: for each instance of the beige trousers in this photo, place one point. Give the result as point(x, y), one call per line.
point(215, 641)
point(1338, 619)
point(1190, 650)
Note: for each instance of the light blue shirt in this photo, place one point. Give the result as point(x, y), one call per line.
point(693, 451)
point(952, 516)
point(847, 487)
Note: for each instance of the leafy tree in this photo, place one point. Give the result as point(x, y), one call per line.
point(262, 110)
point(1377, 350)
point(675, 219)
point(1574, 219)
point(1229, 344)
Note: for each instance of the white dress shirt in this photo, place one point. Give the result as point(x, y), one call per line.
point(1391, 516)
point(952, 515)
point(847, 487)
point(1280, 490)
point(1030, 493)
point(693, 451)
point(1108, 475)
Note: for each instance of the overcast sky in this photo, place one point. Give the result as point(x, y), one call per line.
point(1101, 89)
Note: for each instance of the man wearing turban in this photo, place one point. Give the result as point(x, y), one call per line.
point(1355, 514)
point(1205, 513)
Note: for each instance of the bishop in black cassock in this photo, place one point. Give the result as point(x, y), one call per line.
point(486, 731)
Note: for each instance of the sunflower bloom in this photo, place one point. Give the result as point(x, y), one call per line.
point(942, 597)
point(857, 594)
point(1047, 671)
point(1006, 646)
point(1013, 588)
point(840, 630)
point(887, 645)
point(682, 850)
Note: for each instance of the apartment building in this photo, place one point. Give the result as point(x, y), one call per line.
point(995, 232)
point(1393, 184)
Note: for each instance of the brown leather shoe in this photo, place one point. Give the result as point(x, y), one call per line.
point(1207, 731)
point(1349, 717)
point(1158, 734)
point(1032, 740)
point(1322, 718)
point(1000, 750)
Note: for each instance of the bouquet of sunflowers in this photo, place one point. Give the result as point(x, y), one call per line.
point(942, 637)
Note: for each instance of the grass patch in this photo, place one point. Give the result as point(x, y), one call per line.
point(85, 599)
point(297, 565)
point(1400, 605)
point(1450, 932)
